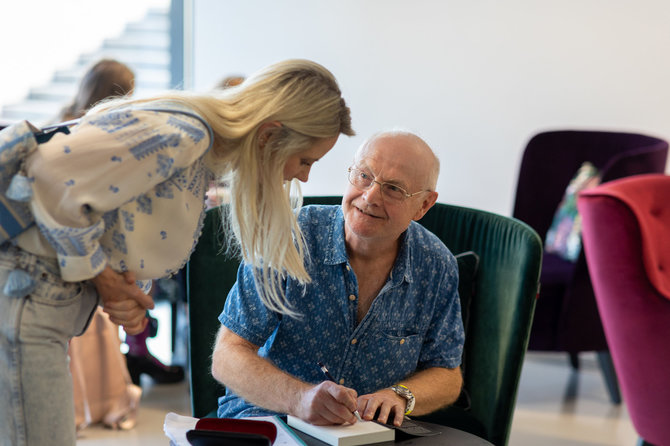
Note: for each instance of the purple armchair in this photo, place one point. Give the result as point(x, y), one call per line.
point(566, 317)
point(626, 234)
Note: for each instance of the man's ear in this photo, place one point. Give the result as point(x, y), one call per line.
point(265, 132)
point(427, 203)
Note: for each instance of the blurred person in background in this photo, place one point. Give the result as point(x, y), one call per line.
point(107, 78)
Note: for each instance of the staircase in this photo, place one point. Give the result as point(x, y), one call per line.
point(144, 46)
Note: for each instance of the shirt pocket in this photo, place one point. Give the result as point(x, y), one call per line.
point(399, 348)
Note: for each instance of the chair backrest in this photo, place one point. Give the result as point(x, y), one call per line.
point(552, 158)
point(500, 312)
point(566, 316)
point(626, 233)
point(210, 274)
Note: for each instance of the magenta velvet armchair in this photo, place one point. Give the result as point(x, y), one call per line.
point(626, 235)
point(566, 317)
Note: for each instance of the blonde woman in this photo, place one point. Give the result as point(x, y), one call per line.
point(119, 201)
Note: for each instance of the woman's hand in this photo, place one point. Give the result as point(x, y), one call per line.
point(127, 313)
point(123, 300)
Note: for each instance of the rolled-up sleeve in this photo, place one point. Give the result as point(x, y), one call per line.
point(244, 313)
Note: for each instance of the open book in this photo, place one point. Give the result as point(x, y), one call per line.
point(362, 432)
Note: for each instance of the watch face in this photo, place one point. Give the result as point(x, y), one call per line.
point(402, 391)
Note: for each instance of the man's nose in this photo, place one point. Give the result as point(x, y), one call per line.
point(374, 193)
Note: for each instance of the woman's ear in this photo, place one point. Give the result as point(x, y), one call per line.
point(265, 132)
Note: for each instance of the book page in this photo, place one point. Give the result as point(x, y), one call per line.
point(362, 432)
point(176, 426)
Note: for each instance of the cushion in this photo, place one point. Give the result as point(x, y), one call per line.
point(468, 263)
point(556, 270)
point(564, 235)
point(647, 197)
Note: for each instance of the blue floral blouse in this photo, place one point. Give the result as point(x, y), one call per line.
point(125, 188)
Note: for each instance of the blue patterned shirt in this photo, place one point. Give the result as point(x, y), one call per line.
point(414, 322)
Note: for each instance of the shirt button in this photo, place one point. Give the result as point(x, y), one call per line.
point(348, 268)
point(352, 297)
point(341, 381)
point(402, 341)
point(353, 341)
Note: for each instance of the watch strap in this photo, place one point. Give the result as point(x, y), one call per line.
point(407, 394)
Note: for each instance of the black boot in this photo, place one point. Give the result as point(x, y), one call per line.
point(140, 360)
point(150, 365)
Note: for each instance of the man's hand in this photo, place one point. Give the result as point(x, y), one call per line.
point(327, 403)
point(385, 401)
point(123, 300)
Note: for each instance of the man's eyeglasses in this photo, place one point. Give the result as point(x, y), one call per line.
point(364, 181)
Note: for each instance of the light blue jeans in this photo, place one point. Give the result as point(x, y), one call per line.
point(36, 399)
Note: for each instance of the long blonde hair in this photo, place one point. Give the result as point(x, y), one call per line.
point(305, 98)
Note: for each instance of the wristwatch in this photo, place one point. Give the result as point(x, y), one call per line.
point(407, 394)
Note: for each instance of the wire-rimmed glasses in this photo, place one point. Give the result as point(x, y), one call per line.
point(364, 180)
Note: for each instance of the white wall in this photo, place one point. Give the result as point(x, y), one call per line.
point(41, 36)
point(475, 78)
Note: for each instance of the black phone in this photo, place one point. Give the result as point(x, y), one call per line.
point(202, 437)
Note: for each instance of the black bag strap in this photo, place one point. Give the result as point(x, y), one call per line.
point(46, 133)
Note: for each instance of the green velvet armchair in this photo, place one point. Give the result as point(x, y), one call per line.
point(498, 293)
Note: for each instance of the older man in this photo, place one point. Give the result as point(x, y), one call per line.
point(382, 311)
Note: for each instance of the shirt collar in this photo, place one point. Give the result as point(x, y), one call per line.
point(336, 251)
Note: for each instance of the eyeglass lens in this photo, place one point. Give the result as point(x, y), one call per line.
point(364, 180)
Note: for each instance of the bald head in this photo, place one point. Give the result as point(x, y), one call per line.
point(407, 150)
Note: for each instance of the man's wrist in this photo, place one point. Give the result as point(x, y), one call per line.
point(407, 395)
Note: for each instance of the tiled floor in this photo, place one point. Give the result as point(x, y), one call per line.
point(157, 400)
point(555, 406)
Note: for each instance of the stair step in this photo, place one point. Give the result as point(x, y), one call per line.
point(149, 27)
point(63, 92)
point(37, 112)
point(44, 109)
point(155, 20)
point(150, 41)
point(59, 92)
point(156, 77)
point(140, 58)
